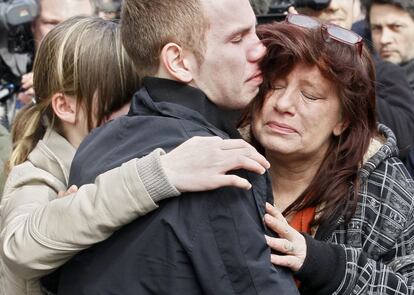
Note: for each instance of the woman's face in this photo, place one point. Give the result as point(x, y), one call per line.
point(300, 116)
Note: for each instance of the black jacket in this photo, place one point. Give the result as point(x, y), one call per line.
point(395, 103)
point(409, 69)
point(200, 243)
point(395, 95)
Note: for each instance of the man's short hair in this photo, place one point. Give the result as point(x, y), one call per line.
point(406, 5)
point(148, 25)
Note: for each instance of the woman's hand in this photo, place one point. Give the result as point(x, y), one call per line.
point(202, 163)
point(71, 190)
point(291, 244)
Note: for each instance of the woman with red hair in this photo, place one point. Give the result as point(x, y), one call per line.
point(343, 200)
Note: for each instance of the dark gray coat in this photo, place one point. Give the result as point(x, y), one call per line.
point(201, 243)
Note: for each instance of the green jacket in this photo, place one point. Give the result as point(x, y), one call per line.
point(5, 150)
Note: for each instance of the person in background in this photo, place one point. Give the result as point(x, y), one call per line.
point(108, 9)
point(360, 23)
point(260, 6)
point(39, 230)
point(395, 101)
point(392, 27)
point(51, 13)
point(344, 202)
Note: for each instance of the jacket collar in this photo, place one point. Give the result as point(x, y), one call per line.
point(163, 91)
point(53, 154)
point(384, 151)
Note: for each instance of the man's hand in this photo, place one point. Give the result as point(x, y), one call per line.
point(201, 163)
point(26, 96)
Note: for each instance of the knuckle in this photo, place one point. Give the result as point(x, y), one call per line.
point(245, 143)
point(249, 153)
point(233, 180)
point(239, 159)
point(216, 139)
point(272, 243)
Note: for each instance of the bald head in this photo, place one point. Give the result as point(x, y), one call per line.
point(53, 12)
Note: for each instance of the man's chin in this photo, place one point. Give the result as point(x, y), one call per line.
point(392, 58)
point(253, 94)
point(245, 97)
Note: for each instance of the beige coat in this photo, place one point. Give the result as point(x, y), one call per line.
point(40, 232)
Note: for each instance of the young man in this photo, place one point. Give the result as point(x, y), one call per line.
point(199, 59)
point(392, 27)
point(395, 102)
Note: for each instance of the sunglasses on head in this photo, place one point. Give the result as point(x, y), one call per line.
point(328, 30)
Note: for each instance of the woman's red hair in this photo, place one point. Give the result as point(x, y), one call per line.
point(335, 185)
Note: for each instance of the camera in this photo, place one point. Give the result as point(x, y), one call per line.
point(16, 51)
point(15, 17)
point(278, 8)
point(17, 12)
point(16, 43)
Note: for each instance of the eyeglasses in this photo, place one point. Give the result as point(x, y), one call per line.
point(328, 30)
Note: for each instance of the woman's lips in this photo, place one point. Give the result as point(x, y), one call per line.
point(281, 128)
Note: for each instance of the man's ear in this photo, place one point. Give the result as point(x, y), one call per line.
point(64, 107)
point(175, 63)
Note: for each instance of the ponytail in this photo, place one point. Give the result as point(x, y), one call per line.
point(27, 130)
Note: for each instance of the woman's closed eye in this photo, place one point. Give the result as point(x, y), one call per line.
point(311, 97)
point(278, 87)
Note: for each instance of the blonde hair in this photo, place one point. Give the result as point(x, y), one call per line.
point(148, 25)
point(82, 57)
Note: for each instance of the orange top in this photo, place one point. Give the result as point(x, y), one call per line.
point(302, 220)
